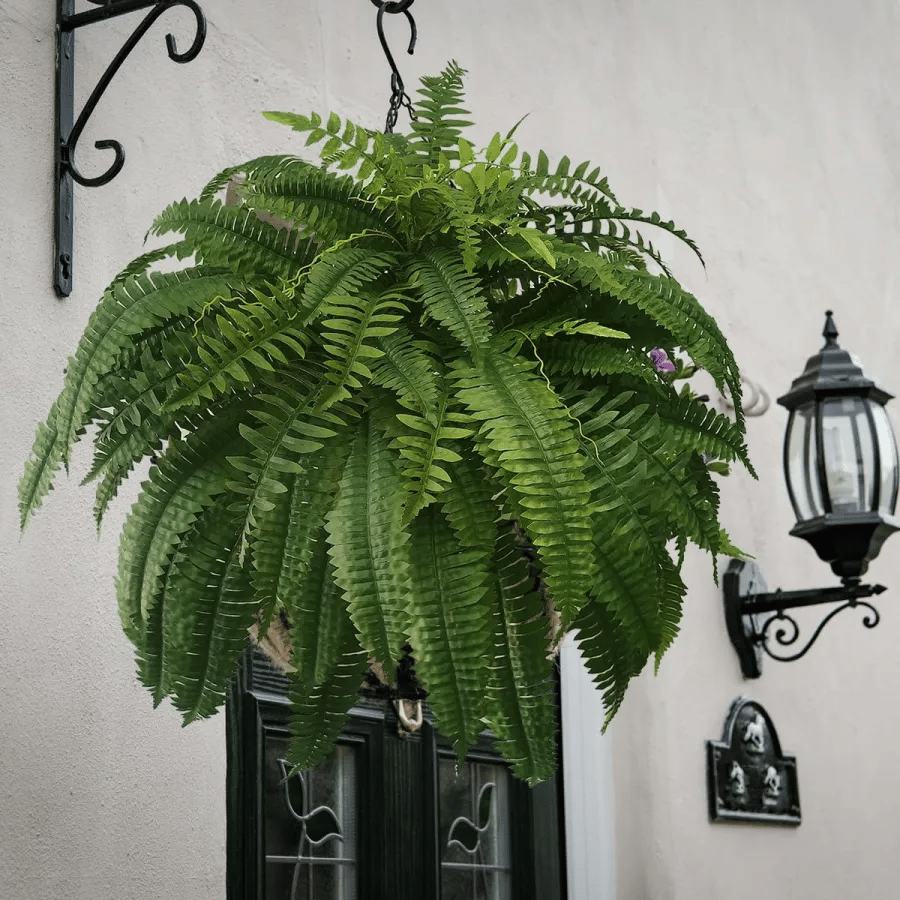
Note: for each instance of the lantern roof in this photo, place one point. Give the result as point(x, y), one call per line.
point(831, 372)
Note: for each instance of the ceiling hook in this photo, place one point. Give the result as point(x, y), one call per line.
point(399, 96)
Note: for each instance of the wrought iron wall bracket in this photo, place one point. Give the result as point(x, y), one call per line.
point(753, 615)
point(69, 129)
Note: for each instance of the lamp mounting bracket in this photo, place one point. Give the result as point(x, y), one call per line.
point(753, 615)
point(69, 129)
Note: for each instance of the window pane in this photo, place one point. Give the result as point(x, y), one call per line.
point(310, 825)
point(474, 831)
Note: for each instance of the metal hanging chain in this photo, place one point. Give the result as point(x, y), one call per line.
point(399, 97)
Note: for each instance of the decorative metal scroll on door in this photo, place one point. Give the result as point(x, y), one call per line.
point(749, 779)
point(69, 129)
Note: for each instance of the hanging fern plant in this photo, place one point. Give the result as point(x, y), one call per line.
point(384, 393)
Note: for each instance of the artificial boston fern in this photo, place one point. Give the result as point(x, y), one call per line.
point(403, 400)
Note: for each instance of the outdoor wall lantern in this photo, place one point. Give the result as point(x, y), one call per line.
point(841, 467)
point(69, 129)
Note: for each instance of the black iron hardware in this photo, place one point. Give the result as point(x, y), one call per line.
point(842, 470)
point(69, 129)
point(748, 603)
point(399, 97)
point(749, 779)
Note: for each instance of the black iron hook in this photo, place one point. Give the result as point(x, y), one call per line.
point(395, 6)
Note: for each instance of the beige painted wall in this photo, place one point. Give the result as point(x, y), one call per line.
point(770, 131)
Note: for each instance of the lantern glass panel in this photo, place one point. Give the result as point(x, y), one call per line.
point(800, 464)
point(848, 448)
point(887, 452)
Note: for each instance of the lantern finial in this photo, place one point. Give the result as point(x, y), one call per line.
point(829, 332)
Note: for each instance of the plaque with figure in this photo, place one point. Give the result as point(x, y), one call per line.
point(749, 779)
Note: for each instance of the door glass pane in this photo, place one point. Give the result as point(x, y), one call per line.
point(310, 825)
point(474, 831)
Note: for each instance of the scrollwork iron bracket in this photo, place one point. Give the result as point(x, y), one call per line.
point(754, 616)
point(69, 129)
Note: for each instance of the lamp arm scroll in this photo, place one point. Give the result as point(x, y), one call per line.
point(747, 603)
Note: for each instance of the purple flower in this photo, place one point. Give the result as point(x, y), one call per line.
point(660, 360)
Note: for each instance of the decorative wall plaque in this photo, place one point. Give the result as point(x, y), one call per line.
point(749, 779)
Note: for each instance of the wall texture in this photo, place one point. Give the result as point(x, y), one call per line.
point(770, 131)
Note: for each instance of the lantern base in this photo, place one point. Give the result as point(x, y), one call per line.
point(848, 541)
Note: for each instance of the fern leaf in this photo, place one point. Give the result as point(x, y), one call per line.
point(319, 709)
point(440, 116)
point(608, 652)
point(348, 146)
point(329, 207)
point(522, 700)
point(187, 478)
point(469, 505)
point(207, 609)
point(234, 237)
point(368, 546)
point(46, 457)
point(342, 272)
point(349, 337)
point(286, 536)
point(534, 445)
point(286, 429)
point(408, 369)
point(255, 336)
point(450, 627)
point(126, 309)
point(452, 297)
point(424, 448)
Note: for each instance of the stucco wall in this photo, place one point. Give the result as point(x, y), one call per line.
point(770, 131)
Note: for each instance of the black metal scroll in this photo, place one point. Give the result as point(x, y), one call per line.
point(753, 615)
point(69, 129)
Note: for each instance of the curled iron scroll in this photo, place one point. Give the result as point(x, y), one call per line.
point(787, 638)
point(110, 73)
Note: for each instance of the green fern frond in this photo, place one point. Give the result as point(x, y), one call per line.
point(242, 341)
point(608, 652)
point(450, 627)
point(46, 457)
point(440, 116)
point(452, 297)
point(328, 660)
point(425, 451)
point(234, 237)
point(348, 146)
point(285, 537)
point(538, 455)
point(189, 476)
point(329, 207)
point(671, 604)
point(582, 183)
point(369, 547)
point(350, 336)
point(340, 272)
point(207, 609)
point(408, 369)
point(521, 697)
point(470, 506)
point(285, 428)
point(318, 710)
